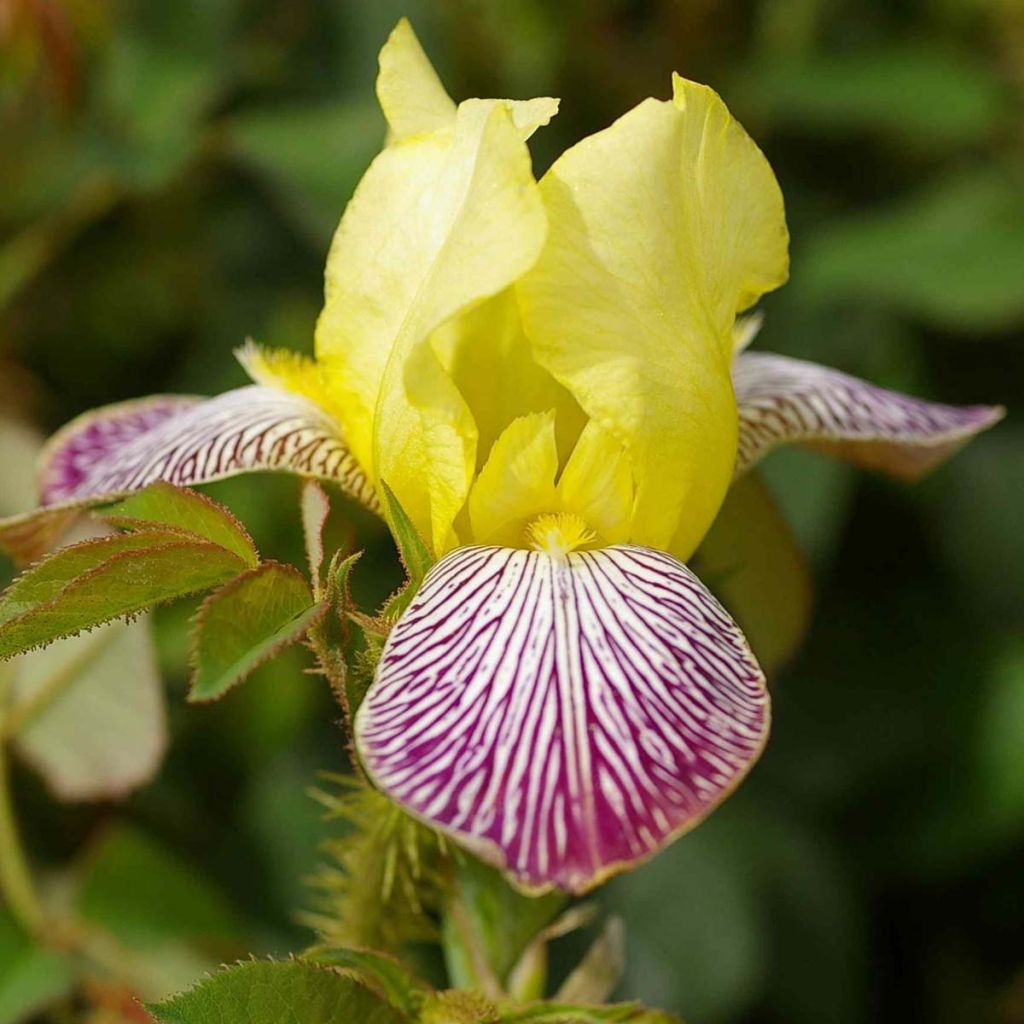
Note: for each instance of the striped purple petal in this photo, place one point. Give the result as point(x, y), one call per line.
point(563, 718)
point(189, 441)
point(783, 401)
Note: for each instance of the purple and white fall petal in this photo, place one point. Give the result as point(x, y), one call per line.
point(189, 441)
point(783, 401)
point(563, 718)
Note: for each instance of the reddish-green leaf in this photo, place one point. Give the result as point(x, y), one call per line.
point(162, 504)
point(85, 585)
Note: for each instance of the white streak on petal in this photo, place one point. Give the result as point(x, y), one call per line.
point(564, 718)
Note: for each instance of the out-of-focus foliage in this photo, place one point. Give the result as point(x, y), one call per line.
point(170, 176)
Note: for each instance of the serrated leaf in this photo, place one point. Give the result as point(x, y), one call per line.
point(163, 504)
point(88, 712)
point(386, 975)
point(277, 993)
point(87, 584)
point(245, 623)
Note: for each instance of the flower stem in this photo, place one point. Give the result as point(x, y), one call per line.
point(16, 885)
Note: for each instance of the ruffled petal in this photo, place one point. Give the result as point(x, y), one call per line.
point(661, 228)
point(784, 401)
point(564, 718)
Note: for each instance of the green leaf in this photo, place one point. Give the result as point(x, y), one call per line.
point(489, 923)
point(277, 993)
point(88, 712)
point(950, 255)
point(245, 623)
point(414, 553)
point(388, 977)
point(85, 585)
point(31, 978)
point(164, 504)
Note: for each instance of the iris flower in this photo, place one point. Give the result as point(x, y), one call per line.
point(549, 376)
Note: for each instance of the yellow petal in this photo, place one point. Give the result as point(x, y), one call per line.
point(488, 356)
point(410, 93)
point(415, 101)
point(661, 228)
point(517, 482)
point(439, 222)
point(288, 370)
point(597, 484)
point(529, 115)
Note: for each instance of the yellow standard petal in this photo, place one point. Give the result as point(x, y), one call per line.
point(410, 93)
point(661, 229)
point(415, 101)
point(439, 222)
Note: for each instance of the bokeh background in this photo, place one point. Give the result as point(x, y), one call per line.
point(170, 176)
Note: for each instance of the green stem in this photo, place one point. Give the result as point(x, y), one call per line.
point(16, 884)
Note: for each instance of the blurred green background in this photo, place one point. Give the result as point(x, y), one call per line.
point(170, 176)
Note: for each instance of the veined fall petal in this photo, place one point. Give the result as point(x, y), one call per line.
point(564, 717)
point(661, 229)
point(784, 401)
